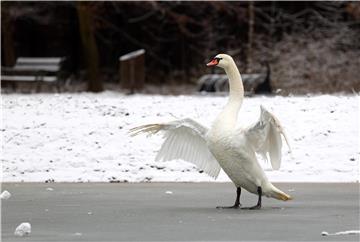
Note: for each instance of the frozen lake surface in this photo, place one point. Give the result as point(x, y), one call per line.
point(145, 212)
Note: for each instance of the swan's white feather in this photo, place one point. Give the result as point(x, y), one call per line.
point(184, 139)
point(265, 137)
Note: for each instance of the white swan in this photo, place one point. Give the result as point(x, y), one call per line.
point(225, 145)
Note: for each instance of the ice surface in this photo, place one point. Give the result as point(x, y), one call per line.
point(169, 192)
point(24, 229)
point(5, 195)
point(84, 137)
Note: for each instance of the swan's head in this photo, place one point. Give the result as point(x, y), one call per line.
point(221, 60)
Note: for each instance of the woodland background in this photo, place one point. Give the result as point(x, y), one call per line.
point(310, 46)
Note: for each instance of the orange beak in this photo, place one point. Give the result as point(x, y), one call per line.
point(214, 62)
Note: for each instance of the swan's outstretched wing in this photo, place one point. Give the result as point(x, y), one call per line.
point(184, 139)
point(265, 137)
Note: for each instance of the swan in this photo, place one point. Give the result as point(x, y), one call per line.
point(224, 145)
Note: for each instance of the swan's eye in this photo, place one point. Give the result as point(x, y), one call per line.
point(218, 58)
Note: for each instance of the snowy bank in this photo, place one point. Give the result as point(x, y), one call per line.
point(83, 137)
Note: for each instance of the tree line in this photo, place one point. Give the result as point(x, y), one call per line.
point(179, 37)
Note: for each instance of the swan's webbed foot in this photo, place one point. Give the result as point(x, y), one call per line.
point(235, 206)
point(237, 201)
point(258, 205)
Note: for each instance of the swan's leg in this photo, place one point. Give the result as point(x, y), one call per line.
point(258, 205)
point(237, 201)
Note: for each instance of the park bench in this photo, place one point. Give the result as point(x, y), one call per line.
point(36, 70)
point(253, 83)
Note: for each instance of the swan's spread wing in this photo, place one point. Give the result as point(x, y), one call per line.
point(265, 137)
point(184, 139)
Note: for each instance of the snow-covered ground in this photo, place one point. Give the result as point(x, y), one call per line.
point(83, 137)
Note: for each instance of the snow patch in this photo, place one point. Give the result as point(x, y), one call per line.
point(5, 195)
point(24, 229)
point(132, 55)
point(348, 232)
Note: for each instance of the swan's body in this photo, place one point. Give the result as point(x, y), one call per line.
point(225, 145)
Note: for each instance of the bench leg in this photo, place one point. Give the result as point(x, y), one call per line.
point(13, 86)
point(58, 87)
point(38, 86)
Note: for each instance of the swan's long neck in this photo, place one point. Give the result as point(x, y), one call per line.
point(228, 117)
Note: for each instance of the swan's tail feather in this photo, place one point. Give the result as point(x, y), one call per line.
point(280, 195)
point(283, 196)
point(149, 128)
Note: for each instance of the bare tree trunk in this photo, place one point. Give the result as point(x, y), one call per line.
point(89, 47)
point(250, 38)
point(8, 40)
point(272, 31)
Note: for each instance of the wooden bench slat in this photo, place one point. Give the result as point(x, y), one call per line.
point(28, 67)
point(40, 60)
point(28, 78)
